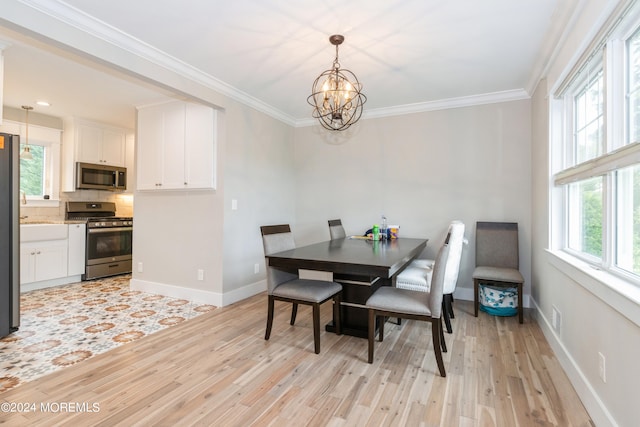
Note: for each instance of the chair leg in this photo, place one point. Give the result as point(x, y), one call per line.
point(476, 302)
point(520, 307)
point(445, 312)
point(381, 321)
point(449, 299)
point(443, 343)
point(372, 332)
point(270, 305)
point(435, 332)
point(316, 327)
point(337, 300)
point(294, 312)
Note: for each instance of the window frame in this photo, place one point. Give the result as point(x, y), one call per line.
point(618, 151)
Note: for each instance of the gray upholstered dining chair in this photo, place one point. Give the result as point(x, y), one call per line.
point(417, 305)
point(417, 276)
point(287, 286)
point(336, 230)
point(497, 260)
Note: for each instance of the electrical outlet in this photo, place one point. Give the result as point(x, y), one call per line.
point(200, 274)
point(139, 267)
point(234, 204)
point(602, 368)
point(256, 269)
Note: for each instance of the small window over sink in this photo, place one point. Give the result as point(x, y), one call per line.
point(39, 176)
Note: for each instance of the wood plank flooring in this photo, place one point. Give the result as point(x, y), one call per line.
point(217, 369)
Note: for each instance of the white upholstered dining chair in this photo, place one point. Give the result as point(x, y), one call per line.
point(417, 276)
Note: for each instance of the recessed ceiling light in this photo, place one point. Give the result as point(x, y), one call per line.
point(43, 103)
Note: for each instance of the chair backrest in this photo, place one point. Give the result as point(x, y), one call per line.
point(336, 230)
point(437, 281)
point(456, 242)
point(497, 244)
point(277, 238)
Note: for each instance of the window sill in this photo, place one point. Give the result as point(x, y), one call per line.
point(614, 291)
point(41, 203)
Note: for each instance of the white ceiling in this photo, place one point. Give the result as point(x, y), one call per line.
point(405, 52)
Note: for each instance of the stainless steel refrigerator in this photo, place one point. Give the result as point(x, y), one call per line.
point(9, 233)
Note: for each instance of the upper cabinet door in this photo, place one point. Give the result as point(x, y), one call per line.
point(173, 128)
point(200, 144)
point(149, 151)
point(113, 146)
point(89, 144)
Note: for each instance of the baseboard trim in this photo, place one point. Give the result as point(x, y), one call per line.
point(198, 295)
point(590, 399)
point(26, 287)
point(244, 292)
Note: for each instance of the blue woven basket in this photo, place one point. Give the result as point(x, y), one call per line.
point(499, 301)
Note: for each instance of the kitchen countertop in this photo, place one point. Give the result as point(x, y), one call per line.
point(29, 221)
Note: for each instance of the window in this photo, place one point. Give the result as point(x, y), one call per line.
point(628, 219)
point(33, 172)
point(40, 176)
point(598, 178)
point(633, 95)
point(585, 217)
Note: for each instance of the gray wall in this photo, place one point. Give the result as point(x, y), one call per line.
point(260, 176)
point(422, 171)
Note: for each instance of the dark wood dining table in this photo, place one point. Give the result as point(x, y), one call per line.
point(360, 265)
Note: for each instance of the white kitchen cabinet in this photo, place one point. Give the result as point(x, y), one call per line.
point(90, 142)
point(77, 249)
point(176, 144)
point(100, 144)
point(44, 260)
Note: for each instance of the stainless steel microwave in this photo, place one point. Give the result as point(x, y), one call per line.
point(90, 176)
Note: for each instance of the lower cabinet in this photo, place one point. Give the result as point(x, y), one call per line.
point(43, 260)
point(51, 255)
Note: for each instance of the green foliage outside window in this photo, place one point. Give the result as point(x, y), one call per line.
point(592, 217)
point(32, 171)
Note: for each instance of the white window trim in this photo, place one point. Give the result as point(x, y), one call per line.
point(616, 292)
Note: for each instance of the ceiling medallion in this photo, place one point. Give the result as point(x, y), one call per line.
point(336, 95)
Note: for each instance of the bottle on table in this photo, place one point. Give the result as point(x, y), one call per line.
point(384, 229)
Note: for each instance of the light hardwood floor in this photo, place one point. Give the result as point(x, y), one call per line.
point(217, 369)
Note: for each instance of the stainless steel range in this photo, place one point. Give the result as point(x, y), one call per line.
point(109, 238)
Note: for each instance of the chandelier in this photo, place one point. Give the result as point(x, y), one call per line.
point(336, 95)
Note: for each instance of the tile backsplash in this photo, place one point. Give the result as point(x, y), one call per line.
point(124, 204)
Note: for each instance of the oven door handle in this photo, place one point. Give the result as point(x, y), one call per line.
point(108, 230)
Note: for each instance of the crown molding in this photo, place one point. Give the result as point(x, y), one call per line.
point(444, 104)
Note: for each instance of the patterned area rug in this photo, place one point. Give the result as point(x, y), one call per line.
point(64, 325)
